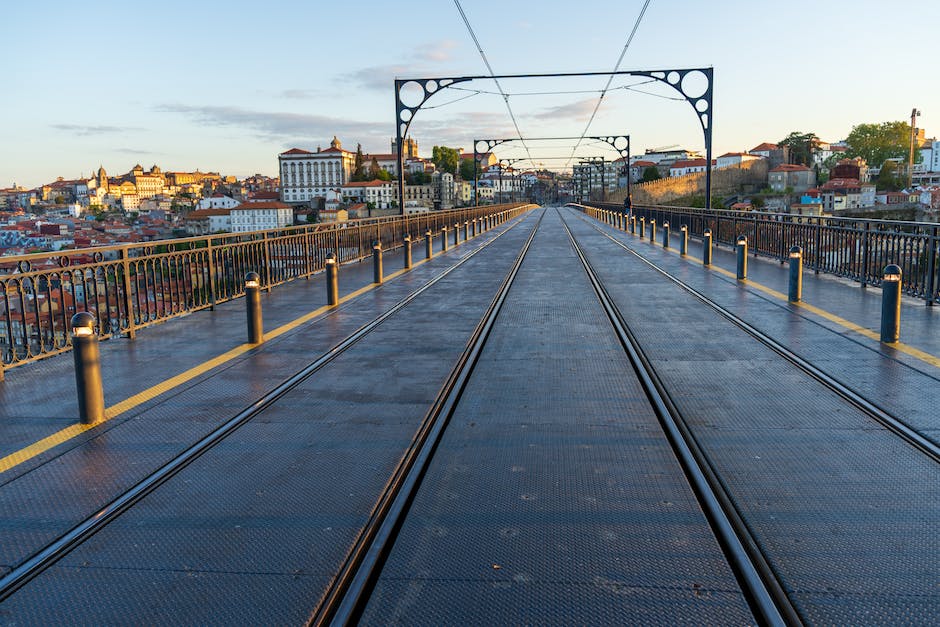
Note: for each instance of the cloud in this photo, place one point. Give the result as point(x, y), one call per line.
point(581, 108)
point(134, 151)
point(85, 130)
point(300, 94)
point(436, 52)
point(278, 125)
point(381, 77)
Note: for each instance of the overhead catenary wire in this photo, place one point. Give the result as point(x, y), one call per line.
point(492, 73)
point(610, 79)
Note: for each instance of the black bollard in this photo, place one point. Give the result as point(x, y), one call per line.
point(428, 245)
point(707, 247)
point(332, 282)
point(87, 358)
point(376, 261)
point(443, 239)
point(795, 293)
point(891, 304)
point(742, 257)
point(665, 235)
point(253, 308)
point(683, 240)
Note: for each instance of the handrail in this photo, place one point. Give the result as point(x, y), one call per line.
point(130, 286)
point(855, 248)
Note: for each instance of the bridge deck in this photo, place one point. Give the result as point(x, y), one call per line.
point(553, 497)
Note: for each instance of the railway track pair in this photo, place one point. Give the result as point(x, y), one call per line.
point(346, 596)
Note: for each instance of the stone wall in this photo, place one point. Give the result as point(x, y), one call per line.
point(724, 182)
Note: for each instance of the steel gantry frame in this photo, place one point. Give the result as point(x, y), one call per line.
point(620, 143)
point(678, 79)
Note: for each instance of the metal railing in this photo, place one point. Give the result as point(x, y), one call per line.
point(857, 249)
point(127, 287)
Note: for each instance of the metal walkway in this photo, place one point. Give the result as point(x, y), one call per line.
point(474, 441)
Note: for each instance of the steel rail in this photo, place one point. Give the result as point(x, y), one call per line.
point(345, 599)
point(871, 409)
point(759, 583)
point(55, 550)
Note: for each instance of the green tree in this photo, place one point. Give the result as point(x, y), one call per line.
point(359, 170)
point(651, 174)
point(467, 170)
point(877, 142)
point(888, 177)
point(446, 159)
point(799, 147)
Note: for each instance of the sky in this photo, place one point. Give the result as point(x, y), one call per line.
point(226, 86)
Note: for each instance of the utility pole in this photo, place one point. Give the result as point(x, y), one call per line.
point(910, 160)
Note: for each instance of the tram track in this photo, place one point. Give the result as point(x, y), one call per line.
point(345, 598)
point(20, 574)
point(758, 581)
point(858, 400)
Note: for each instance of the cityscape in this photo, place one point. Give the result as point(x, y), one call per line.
point(801, 175)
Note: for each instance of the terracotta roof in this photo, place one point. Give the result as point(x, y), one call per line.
point(258, 196)
point(644, 164)
point(689, 163)
point(358, 205)
point(790, 167)
point(205, 213)
point(374, 183)
point(736, 154)
point(765, 146)
point(251, 206)
point(297, 151)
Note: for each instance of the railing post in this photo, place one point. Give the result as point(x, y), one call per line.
point(863, 275)
point(891, 304)
point(933, 243)
point(87, 358)
point(210, 252)
point(795, 294)
point(818, 245)
point(128, 296)
point(266, 247)
point(741, 249)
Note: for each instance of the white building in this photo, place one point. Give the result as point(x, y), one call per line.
point(206, 221)
point(307, 175)
point(730, 159)
point(930, 158)
point(260, 216)
point(218, 201)
point(380, 193)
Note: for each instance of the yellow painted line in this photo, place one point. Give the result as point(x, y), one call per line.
point(822, 313)
point(37, 448)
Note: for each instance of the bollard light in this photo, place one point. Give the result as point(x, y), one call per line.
point(376, 261)
point(253, 308)
point(683, 240)
point(891, 304)
point(428, 245)
point(443, 239)
point(87, 359)
point(665, 235)
point(742, 257)
point(795, 293)
point(707, 247)
point(652, 231)
point(332, 282)
point(407, 246)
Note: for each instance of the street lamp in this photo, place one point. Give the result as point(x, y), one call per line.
point(910, 160)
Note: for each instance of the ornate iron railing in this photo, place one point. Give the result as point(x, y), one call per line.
point(858, 249)
point(127, 287)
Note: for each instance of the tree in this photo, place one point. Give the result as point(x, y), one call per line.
point(467, 170)
point(888, 177)
point(359, 170)
point(877, 142)
point(446, 159)
point(651, 174)
point(799, 147)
